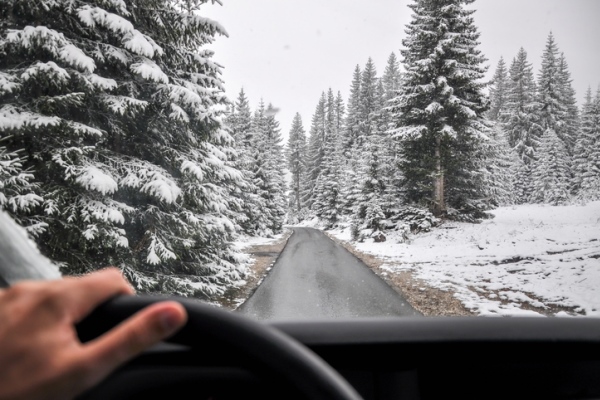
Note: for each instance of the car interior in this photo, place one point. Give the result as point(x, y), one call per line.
point(222, 355)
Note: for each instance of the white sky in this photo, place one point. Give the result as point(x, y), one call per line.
point(289, 51)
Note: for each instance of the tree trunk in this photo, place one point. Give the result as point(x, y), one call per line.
point(298, 192)
point(439, 205)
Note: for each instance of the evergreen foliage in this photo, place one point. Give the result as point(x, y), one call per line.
point(439, 112)
point(18, 192)
point(551, 173)
point(553, 106)
point(501, 167)
point(392, 78)
point(520, 119)
point(328, 201)
point(586, 163)
point(239, 121)
point(296, 159)
point(571, 123)
point(114, 106)
point(351, 132)
point(498, 92)
point(268, 170)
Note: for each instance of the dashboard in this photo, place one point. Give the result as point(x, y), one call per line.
point(404, 358)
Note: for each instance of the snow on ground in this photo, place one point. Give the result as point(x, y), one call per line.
point(245, 242)
point(528, 260)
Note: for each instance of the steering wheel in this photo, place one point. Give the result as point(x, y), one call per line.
point(281, 356)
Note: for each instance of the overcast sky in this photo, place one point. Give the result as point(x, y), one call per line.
point(289, 51)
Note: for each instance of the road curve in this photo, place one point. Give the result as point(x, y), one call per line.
point(316, 278)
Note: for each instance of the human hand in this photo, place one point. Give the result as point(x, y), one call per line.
point(41, 356)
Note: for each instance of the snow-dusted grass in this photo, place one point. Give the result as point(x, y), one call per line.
point(529, 256)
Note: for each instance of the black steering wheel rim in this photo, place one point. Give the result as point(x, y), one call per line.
point(297, 365)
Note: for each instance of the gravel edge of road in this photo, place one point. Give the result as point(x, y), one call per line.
point(263, 257)
point(428, 300)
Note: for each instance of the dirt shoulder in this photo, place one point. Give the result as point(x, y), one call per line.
point(427, 300)
point(262, 259)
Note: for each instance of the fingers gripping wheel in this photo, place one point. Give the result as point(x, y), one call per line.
point(298, 366)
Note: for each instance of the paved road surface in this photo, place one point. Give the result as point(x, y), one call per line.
point(314, 277)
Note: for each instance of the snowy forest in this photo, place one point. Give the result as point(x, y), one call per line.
point(119, 145)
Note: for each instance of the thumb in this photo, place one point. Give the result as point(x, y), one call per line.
point(142, 330)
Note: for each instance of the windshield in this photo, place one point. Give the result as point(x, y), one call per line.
point(314, 159)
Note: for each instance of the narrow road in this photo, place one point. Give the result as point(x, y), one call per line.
point(314, 277)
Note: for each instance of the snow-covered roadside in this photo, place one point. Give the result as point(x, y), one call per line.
point(261, 253)
point(528, 260)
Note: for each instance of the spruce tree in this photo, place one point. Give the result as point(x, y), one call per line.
point(276, 166)
point(551, 173)
point(392, 81)
point(368, 104)
point(117, 108)
point(340, 114)
point(586, 163)
point(267, 168)
point(438, 114)
point(520, 121)
point(520, 117)
point(251, 204)
point(296, 160)
point(351, 132)
point(392, 78)
point(550, 95)
point(501, 168)
point(568, 97)
point(369, 147)
point(328, 201)
point(498, 91)
point(315, 150)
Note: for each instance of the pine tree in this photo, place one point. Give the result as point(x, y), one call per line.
point(498, 91)
point(370, 149)
point(113, 104)
point(551, 173)
point(586, 163)
point(501, 166)
point(276, 198)
point(520, 121)
point(340, 112)
point(351, 132)
point(240, 122)
point(368, 105)
point(350, 153)
point(568, 98)
point(439, 111)
point(523, 182)
point(315, 151)
point(552, 107)
point(328, 201)
point(520, 117)
point(392, 78)
point(296, 159)
point(267, 169)
point(251, 204)
point(392, 81)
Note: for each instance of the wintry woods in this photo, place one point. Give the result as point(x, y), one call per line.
point(113, 148)
point(119, 146)
point(430, 138)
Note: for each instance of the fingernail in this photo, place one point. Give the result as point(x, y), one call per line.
point(171, 320)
